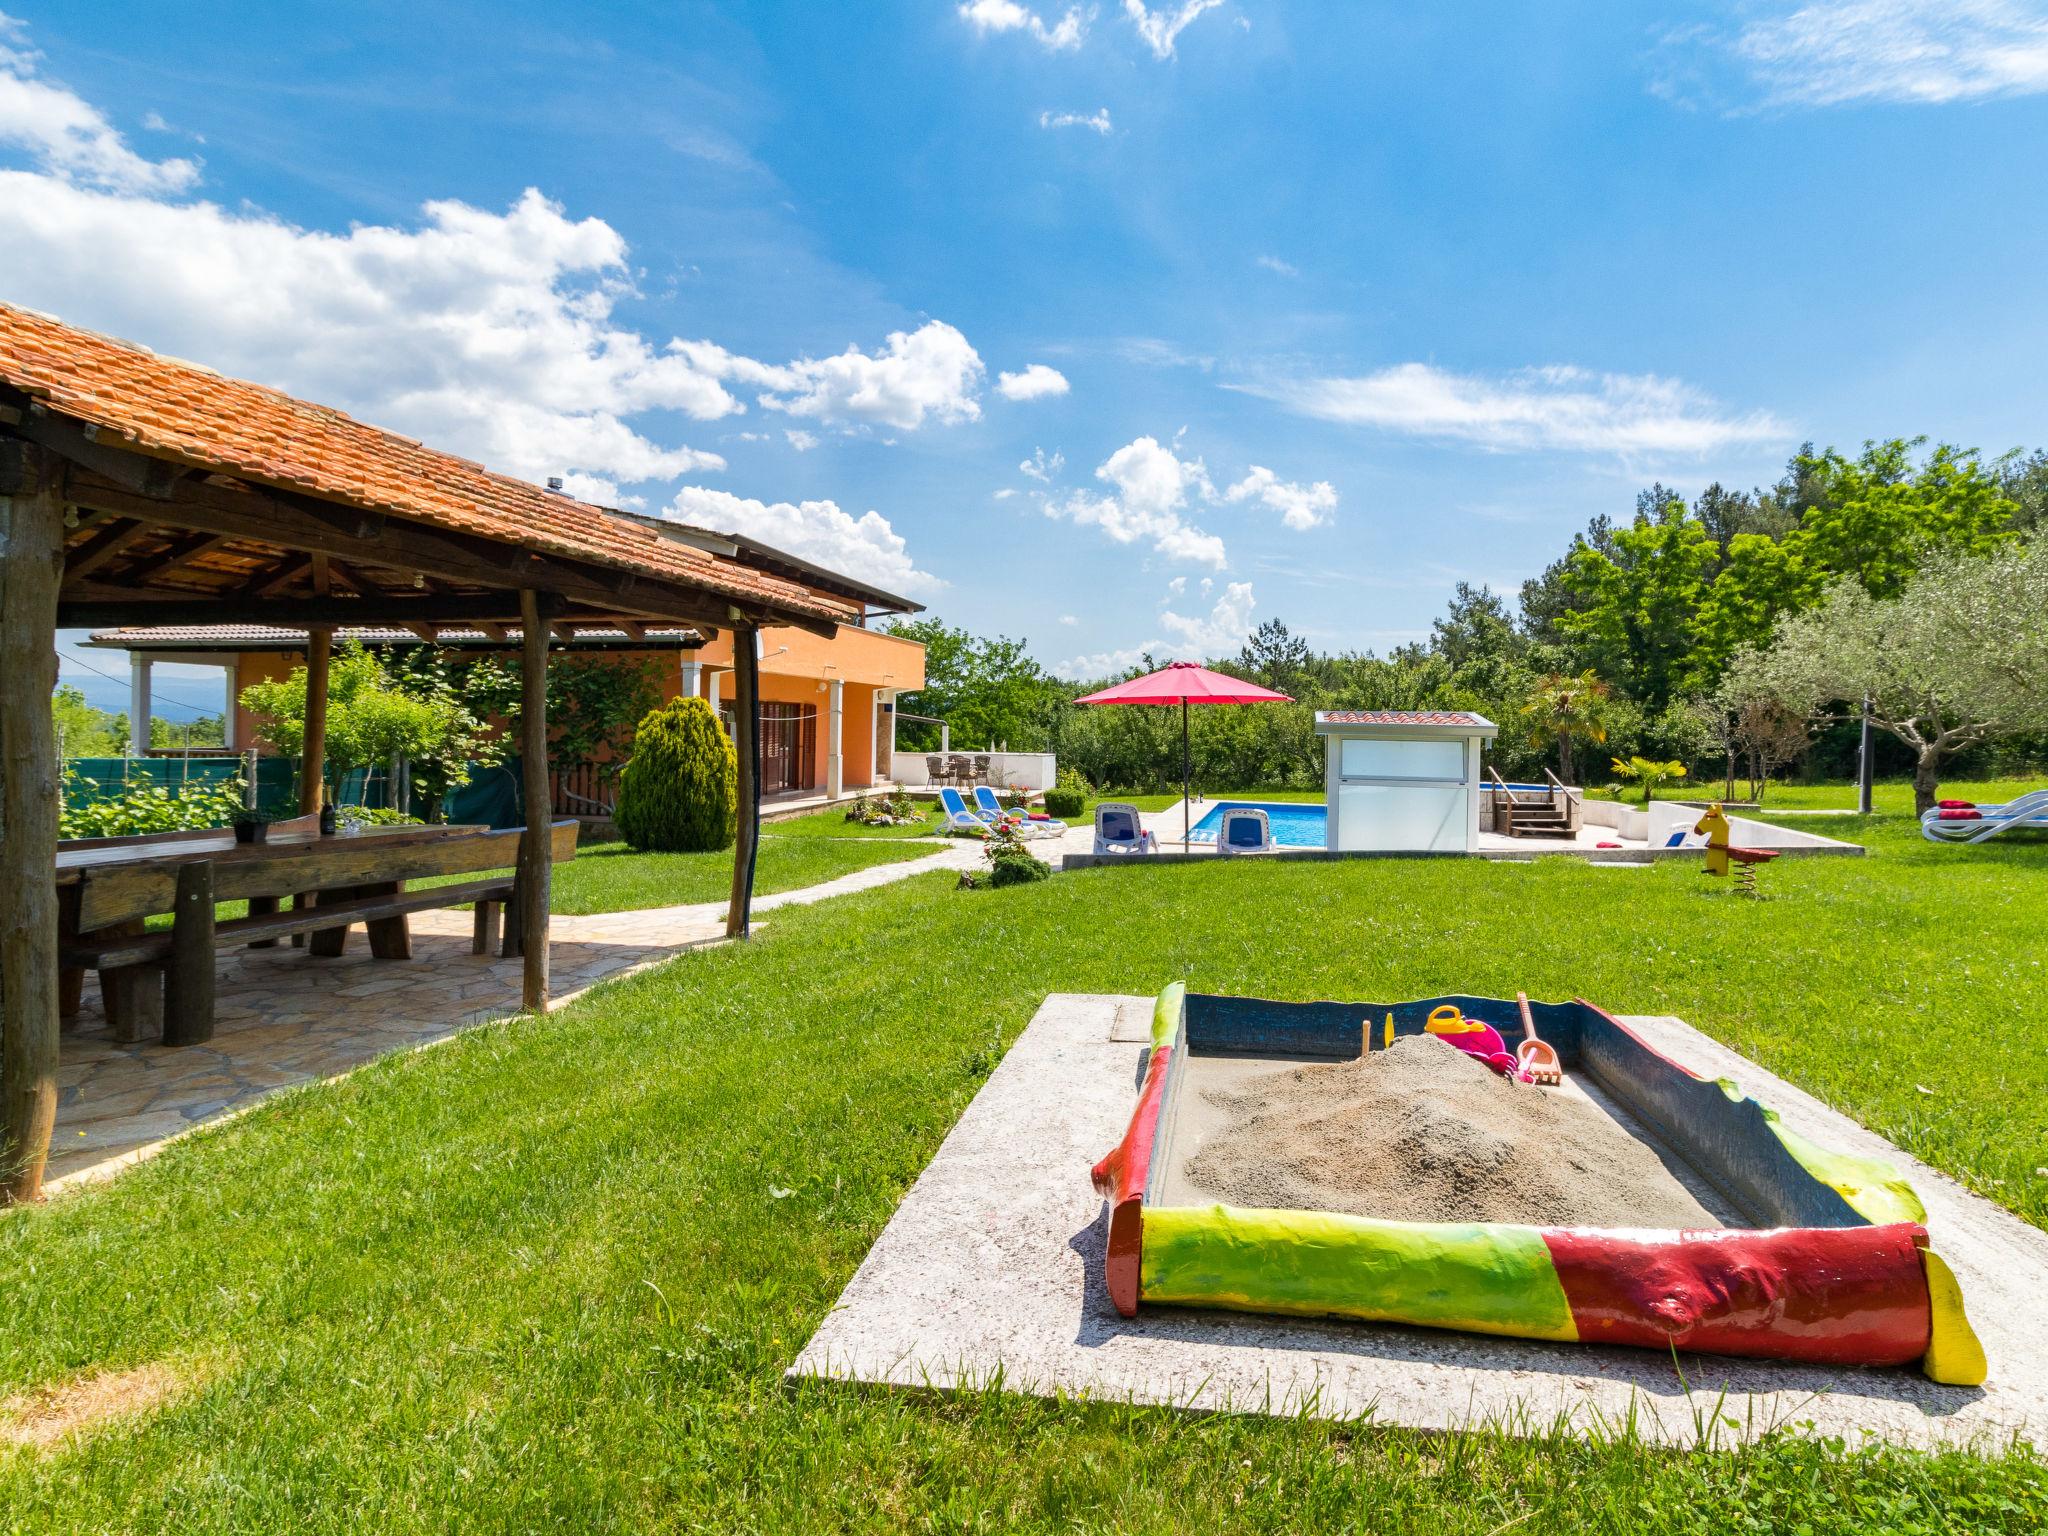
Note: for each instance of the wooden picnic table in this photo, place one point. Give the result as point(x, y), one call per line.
point(153, 980)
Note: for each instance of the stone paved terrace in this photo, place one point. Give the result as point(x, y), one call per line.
point(286, 1018)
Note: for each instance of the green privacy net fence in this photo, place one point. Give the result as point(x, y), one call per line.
point(491, 797)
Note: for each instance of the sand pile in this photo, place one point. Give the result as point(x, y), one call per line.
point(1422, 1132)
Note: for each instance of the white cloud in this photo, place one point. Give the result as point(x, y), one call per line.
point(1567, 408)
point(1275, 264)
point(1221, 629)
point(1151, 488)
point(990, 17)
point(1300, 506)
point(1175, 587)
point(1160, 27)
point(1097, 120)
point(1004, 494)
point(1069, 620)
point(800, 440)
point(595, 488)
point(66, 135)
point(1042, 466)
point(1931, 51)
point(1036, 382)
point(1191, 637)
point(489, 334)
point(929, 372)
point(865, 547)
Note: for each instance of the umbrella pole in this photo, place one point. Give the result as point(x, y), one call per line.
point(1186, 775)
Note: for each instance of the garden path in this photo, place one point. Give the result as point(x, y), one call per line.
point(284, 1018)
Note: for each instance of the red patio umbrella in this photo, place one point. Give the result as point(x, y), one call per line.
point(1185, 683)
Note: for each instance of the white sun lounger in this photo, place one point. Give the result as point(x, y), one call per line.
point(2028, 811)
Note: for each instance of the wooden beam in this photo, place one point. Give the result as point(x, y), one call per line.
point(536, 863)
point(280, 521)
point(181, 553)
point(84, 446)
point(746, 711)
point(313, 750)
point(93, 610)
point(31, 563)
point(96, 551)
point(268, 583)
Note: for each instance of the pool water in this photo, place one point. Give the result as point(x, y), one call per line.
point(1296, 824)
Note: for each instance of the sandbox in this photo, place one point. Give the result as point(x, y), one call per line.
point(1330, 1159)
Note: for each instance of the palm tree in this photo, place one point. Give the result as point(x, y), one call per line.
point(1649, 773)
point(1567, 710)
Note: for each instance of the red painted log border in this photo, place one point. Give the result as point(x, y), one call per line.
point(1828, 1296)
point(1120, 1179)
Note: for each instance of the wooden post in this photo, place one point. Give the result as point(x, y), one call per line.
point(188, 978)
point(31, 565)
point(746, 719)
point(313, 753)
point(313, 748)
point(535, 853)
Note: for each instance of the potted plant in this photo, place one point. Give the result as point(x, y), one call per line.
point(251, 826)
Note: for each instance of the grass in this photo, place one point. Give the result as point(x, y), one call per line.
point(610, 877)
point(832, 822)
point(548, 1275)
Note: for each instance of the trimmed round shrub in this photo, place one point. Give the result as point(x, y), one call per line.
point(1065, 803)
point(679, 793)
point(1016, 869)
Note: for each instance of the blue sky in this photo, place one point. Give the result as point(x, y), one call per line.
point(1114, 326)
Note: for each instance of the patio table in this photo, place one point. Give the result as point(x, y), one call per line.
point(108, 888)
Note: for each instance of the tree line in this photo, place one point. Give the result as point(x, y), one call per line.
point(1738, 634)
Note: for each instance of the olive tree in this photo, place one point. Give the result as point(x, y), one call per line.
point(1959, 656)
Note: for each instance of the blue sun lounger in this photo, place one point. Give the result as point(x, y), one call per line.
point(957, 813)
point(992, 808)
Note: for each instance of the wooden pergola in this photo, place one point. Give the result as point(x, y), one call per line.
point(139, 490)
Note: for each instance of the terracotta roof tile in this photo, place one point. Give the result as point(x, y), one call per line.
point(179, 410)
point(1446, 717)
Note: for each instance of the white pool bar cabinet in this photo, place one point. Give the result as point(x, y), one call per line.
point(1403, 781)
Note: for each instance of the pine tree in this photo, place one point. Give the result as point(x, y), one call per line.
point(680, 791)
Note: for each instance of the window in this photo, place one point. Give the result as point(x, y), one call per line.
point(1378, 757)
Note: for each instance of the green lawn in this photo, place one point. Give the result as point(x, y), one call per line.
point(549, 1275)
point(833, 823)
point(610, 877)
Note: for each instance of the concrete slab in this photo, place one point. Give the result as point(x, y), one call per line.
point(993, 1262)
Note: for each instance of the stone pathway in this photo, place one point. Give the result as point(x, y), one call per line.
point(285, 1018)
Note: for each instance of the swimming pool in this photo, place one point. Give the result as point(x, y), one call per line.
point(1296, 823)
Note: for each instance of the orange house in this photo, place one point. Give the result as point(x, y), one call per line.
point(827, 705)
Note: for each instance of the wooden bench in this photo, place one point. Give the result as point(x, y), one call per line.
point(168, 974)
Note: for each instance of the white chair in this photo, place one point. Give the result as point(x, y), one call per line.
point(1118, 830)
point(1245, 830)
